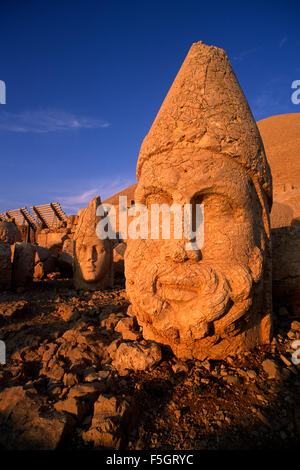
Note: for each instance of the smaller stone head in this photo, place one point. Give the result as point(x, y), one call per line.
point(93, 260)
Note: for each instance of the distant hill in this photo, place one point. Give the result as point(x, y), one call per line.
point(281, 138)
point(129, 192)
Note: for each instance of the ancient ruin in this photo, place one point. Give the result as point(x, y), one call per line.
point(196, 352)
point(204, 147)
point(93, 258)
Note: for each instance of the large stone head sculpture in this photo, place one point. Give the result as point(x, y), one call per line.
point(204, 148)
point(93, 257)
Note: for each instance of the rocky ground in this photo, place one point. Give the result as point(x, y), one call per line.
point(80, 376)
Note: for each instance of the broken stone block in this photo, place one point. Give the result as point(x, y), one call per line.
point(128, 328)
point(93, 257)
point(106, 422)
point(204, 299)
point(65, 259)
point(5, 266)
point(286, 265)
point(9, 232)
point(137, 356)
point(271, 369)
point(27, 424)
point(23, 264)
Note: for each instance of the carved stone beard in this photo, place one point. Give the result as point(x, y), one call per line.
point(191, 302)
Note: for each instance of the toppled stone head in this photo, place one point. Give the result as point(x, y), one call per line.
point(204, 148)
point(93, 260)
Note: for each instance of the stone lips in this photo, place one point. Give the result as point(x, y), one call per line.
point(93, 258)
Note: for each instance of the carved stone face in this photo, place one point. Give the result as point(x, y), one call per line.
point(204, 147)
point(94, 259)
point(197, 300)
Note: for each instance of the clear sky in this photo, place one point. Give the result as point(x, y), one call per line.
point(85, 79)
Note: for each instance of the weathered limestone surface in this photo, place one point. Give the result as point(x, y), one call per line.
point(204, 147)
point(282, 215)
point(136, 356)
point(286, 207)
point(52, 239)
point(9, 232)
point(93, 257)
point(119, 252)
point(107, 420)
point(5, 266)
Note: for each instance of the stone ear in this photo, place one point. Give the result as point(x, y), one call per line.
point(256, 264)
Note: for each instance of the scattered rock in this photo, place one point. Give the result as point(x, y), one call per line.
point(23, 264)
point(251, 374)
point(70, 379)
point(43, 263)
point(128, 328)
point(285, 360)
point(107, 420)
point(137, 356)
point(271, 369)
point(295, 325)
point(27, 424)
point(112, 348)
point(180, 367)
point(283, 312)
point(75, 406)
point(5, 266)
point(9, 232)
point(286, 265)
point(118, 256)
point(65, 259)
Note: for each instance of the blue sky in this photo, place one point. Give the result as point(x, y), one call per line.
point(85, 79)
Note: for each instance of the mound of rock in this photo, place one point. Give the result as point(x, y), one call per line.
point(44, 262)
